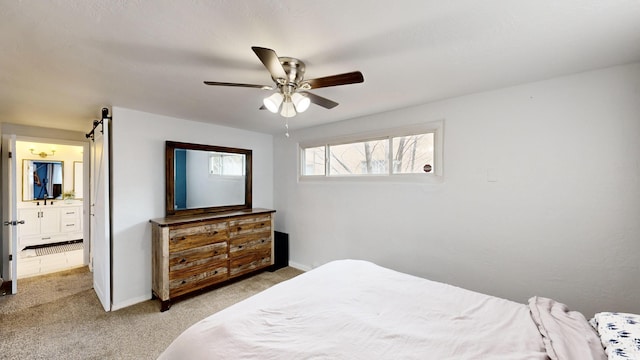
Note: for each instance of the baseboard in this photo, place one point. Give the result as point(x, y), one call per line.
point(129, 302)
point(299, 266)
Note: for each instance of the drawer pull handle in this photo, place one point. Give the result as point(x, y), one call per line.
point(46, 238)
point(240, 247)
point(70, 213)
point(262, 241)
point(183, 282)
point(215, 272)
point(70, 225)
point(182, 261)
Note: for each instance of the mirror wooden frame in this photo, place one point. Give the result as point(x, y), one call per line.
point(170, 149)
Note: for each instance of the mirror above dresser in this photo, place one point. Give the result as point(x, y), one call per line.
point(206, 178)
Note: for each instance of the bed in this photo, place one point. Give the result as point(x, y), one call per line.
point(352, 309)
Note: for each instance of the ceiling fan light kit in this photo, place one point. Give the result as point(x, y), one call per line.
point(292, 96)
point(273, 102)
point(288, 109)
point(301, 102)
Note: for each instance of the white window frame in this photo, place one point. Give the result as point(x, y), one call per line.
point(435, 176)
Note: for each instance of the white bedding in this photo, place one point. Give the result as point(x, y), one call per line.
point(351, 309)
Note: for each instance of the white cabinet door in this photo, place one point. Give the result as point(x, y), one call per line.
point(31, 224)
point(50, 220)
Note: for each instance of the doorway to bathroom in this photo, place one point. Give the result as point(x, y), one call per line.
point(49, 182)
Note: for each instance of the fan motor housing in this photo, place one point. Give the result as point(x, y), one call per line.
point(294, 69)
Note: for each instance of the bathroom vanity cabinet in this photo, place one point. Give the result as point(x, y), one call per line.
point(49, 224)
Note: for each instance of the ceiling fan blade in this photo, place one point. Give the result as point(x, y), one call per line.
point(271, 61)
point(319, 100)
point(335, 80)
point(265, 87)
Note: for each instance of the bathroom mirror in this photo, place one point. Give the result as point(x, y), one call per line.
point(41, 179)
point(206, 178)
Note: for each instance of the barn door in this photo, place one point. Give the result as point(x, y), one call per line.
point(100, 214)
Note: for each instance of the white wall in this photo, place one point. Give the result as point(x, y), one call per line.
point(562, 221)
point(138, 187)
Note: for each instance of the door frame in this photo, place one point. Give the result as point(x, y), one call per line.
point(39, 135)
point(9, 213)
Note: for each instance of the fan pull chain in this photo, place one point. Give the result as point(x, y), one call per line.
point(286, 125)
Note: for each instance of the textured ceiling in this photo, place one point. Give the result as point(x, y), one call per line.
point(61, 61)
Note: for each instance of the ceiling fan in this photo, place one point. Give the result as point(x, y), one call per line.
point(292, 96)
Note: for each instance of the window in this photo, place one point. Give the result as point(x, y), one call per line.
point(359, 158)
point(407, 152)
point(412, 154)
point(225, 164)
point(314, 161)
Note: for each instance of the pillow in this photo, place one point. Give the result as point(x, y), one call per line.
point(566, 334)
point(619, 334)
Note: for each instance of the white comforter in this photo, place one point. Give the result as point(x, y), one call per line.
point(353, 309)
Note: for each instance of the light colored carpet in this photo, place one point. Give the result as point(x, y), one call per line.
point(59, 316)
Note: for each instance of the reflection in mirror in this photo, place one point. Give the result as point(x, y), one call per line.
point(41, 180)
point(222, 173)
point(205, 178)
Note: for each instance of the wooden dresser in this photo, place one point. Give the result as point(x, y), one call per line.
point(192, 252)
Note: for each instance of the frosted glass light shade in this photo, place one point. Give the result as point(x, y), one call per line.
point(288, 110)
point(301, 102)
point(272, 103)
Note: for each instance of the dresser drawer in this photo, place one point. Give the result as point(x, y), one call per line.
point(249, 234)
point(196, 277)
point(43, 239)
point(196, 256)
point(249, 225)
point(256, 242)
point(187, 237)
point(249, 262)
point(69, 213)
point(70, 226)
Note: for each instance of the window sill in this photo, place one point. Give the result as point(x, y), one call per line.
point(400, 178)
